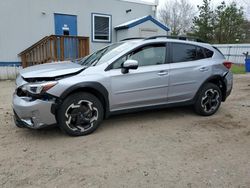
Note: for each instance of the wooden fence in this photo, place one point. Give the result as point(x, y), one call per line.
point(55, 48)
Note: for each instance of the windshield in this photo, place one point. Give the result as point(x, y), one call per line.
point(104, 54)
point(95, 57)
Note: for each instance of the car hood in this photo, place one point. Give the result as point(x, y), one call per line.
point(51, 70)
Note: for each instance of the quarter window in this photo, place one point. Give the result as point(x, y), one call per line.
point(101, 31)
point(200, 53)
point(208, 53)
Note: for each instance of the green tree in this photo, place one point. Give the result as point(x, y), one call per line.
point(228, 25)
point(204, 22)
point(246, 34)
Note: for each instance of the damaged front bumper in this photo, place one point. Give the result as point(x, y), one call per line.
point(34, 114)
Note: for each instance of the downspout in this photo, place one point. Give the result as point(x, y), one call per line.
point(156, 3)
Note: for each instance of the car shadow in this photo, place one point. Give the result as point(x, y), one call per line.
point(148, 115)
point(115, 120)
point(53, 132)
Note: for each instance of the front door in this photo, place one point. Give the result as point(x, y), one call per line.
point(67, 25)
point(146, 86)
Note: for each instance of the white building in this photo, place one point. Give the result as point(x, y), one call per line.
point(25, 22)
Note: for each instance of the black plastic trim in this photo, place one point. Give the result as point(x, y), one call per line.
point(214, 77)
point(188, 38)
point(92, 87)
point(162, 106)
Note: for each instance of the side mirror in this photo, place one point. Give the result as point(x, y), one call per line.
point(129, 64)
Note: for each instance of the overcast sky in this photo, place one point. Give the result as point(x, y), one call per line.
point(243, 3)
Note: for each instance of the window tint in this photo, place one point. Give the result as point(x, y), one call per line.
point(101, 27)
point(154, 54)
point(208, 53)
point(183, 52)
point(200, 53)
point(186, 52)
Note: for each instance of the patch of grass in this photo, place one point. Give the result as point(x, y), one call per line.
point(238, 69)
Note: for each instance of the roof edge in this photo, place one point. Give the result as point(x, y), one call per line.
point(141, 2)
point(142, 20)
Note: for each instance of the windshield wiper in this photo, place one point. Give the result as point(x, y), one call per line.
point(97, 60)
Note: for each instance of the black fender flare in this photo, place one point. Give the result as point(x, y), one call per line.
point(210, 79)
point(95, 88)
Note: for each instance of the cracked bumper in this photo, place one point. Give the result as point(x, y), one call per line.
point(32, 114)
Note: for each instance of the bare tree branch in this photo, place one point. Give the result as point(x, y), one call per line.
point(178, 15)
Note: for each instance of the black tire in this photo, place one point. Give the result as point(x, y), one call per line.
point(208, 100)
point(80, 114)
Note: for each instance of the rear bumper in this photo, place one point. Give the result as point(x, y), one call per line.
point(32, 114)
point(229, 84)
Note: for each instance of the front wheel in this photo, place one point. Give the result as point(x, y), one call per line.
point(209, 100)
point(80, 114)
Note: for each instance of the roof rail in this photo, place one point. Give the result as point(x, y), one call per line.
point(132, 38)
point(189, 38)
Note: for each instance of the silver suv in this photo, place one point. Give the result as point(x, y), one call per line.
point(127, 76)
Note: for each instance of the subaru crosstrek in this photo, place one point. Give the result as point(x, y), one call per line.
point(127, 76)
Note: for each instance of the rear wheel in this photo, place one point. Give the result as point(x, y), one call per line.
point(80, 114)
point(209, 100)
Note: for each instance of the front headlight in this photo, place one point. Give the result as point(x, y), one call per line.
point(38, 88)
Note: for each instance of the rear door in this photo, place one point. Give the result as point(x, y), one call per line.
point(189, 68)
point(145, 86)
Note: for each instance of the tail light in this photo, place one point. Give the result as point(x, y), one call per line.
point(227, 64)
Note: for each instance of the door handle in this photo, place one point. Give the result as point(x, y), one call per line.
point(203, 69)
point(162, 73)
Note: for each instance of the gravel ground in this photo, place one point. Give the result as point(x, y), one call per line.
point(164, 148)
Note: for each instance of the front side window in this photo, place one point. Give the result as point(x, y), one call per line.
point(101, 28)
point(154, 54)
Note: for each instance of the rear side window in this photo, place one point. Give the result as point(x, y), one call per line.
point(183, 52)
point(187, 52)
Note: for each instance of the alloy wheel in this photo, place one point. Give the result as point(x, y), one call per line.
point(210, 101)
point(81, 116)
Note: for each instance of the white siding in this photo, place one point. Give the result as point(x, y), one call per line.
point(24, 22)
point(9, 73)
point(145, 29)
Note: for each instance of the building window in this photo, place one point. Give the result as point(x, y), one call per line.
point(101, 28)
